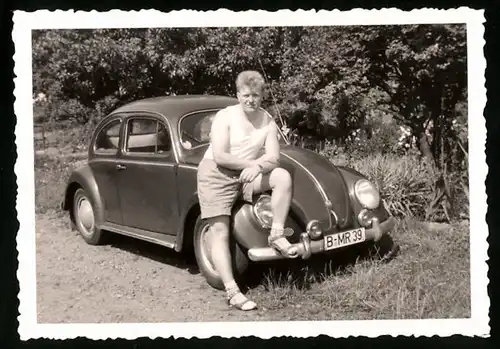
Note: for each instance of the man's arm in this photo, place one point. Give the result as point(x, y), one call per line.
point(270, 160)
point(220, 145)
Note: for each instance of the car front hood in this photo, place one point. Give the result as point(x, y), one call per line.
point(318, 186)
point(324, 179)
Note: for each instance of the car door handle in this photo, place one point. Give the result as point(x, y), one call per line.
point(121, 167)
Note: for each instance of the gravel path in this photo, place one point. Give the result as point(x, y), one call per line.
point(124, 281)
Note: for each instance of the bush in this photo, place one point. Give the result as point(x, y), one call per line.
point(51, 175)
point(409, 186)
point(458, 186)
point(384, 140)
point(406, 183)
point(67, 138)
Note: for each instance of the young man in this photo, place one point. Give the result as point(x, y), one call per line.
point(231, 167)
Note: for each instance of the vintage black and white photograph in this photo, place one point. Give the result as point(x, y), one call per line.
point(315, 171)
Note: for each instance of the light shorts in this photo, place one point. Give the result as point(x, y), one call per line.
point(219, 188)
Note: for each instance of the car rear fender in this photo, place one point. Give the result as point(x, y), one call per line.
point(84, 178)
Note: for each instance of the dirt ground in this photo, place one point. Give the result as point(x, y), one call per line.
point(129, 280)
point(124, 281)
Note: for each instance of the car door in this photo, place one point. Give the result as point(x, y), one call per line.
point(102, 160)
point(147, 176)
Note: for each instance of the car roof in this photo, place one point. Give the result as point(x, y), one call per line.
point(173, 107)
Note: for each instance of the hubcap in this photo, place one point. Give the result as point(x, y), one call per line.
point(85, 214)
point(205, 249)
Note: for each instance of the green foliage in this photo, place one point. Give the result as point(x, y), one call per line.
point(349, 87)
point(51, 176)
point(405, 182)
point(410, 187)
point(325, 81)
point(421, 72)
point(382, 140)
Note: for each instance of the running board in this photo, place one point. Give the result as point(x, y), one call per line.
point(149, 236)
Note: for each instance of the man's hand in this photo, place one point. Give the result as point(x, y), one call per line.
point(250, 173)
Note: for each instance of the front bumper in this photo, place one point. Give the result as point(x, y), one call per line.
point(307, 247)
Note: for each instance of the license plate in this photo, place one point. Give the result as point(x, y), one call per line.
point(345, 238)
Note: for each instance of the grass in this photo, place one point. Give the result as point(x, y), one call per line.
point(429, 278)
point(51, 175)
point(68, 139)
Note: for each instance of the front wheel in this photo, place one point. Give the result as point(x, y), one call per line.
point(239, 259)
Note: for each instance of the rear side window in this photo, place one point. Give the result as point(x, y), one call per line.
point(147, 136)
point(108, 139)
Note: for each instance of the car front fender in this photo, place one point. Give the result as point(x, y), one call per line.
point(250, 234)
point(83, 178)
point(351, 176)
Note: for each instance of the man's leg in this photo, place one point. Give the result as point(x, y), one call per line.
point(221, 258)
point(217, 193)
point(279, 182)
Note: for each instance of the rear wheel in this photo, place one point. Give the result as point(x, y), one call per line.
point(84, 218)
point(239, 259)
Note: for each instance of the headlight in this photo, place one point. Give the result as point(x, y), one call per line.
point(314, 229)
point(367, 194)
point(365, 218)
point(262, 211)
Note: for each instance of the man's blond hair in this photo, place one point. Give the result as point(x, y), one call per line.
point(250, 78)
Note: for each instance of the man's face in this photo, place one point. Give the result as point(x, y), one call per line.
point(250, 98)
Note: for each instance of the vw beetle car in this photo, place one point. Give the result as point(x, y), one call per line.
point(140, 181)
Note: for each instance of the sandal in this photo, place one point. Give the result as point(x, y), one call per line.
point(282, 245)
point(240, 305)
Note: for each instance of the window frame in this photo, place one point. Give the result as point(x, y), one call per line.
point(179, 129)
point(171, 154)
point(103, 128)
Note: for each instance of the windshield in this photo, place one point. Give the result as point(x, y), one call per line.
point(194, 129)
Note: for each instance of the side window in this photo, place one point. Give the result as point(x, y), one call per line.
point(108, 138)
point(195, 129)
point(147, 136)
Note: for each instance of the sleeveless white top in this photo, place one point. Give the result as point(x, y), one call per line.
point(244, 142)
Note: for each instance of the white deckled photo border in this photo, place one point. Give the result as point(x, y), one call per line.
point(24, 23)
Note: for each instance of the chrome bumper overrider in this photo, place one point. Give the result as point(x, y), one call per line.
point(307, 247)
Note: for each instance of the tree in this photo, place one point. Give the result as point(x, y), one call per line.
point(327, 82)
point(421, 70)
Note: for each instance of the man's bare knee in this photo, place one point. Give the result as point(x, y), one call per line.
point(282, 179)
point(219, 228)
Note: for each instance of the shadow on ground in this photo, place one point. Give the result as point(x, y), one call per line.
point(296, 271)
point(302, 274)
point(154, 252)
